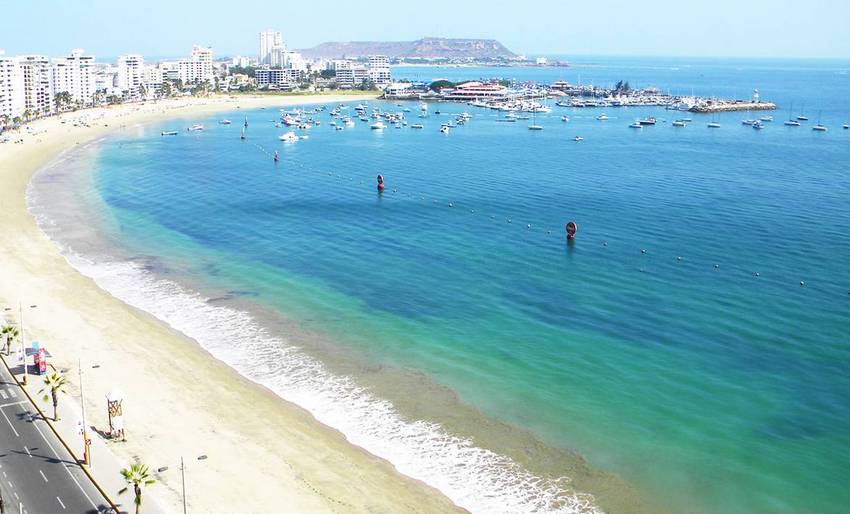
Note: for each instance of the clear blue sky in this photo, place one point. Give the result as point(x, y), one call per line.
point(722, 28)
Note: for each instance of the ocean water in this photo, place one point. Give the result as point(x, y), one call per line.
point(688, 352)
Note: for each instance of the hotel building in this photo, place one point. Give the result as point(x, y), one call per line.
point(12, 102)
point(269, 40)
point(198, 68)
point(129, 76)
point(75, 74)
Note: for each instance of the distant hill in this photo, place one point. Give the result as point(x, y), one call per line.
point(425, 48)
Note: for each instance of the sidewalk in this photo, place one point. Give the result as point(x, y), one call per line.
point(104, 466)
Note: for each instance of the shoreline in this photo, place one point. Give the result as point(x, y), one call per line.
point(181, 400)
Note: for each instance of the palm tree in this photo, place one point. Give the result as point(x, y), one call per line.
point(136, 476)
point(56, 384)
point(10, 333)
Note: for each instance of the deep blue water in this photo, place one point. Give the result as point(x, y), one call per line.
point(700, 370)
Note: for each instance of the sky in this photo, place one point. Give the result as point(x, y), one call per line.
point(683, 28)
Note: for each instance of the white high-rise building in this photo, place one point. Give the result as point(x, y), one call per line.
point(152, 77)
point(38, 84)
point(129, 77)
point(198, 68)
point(75, 74)
point(269, 40)
point(379, 70)
point(12, 100)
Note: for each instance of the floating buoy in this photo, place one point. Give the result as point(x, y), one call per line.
point(571, 229)
point(380, 183)
point(716, 266)
point(678, 258)
point(528, 226)
point(604, 243)
point(451, 204)
point(642, 250)
point(802, 284)
point(757, 274)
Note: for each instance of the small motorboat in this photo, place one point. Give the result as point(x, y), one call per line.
point(168, 133)
point(766, 118)
point(195, 128)
point(636, 125)
point(565, 118)
point(444, 129)
point(647, 121)
point(678, 123)
point(289, 137)
point(379, 125)
point(602, 117)
point(224, 122)
point(417, 126)
point(792, 123)
point(713, 124)
point(578, 138)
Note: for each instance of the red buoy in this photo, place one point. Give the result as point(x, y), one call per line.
point(380, 183)
point(572, 228)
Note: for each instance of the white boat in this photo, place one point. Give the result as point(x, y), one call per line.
point(578, 138)
point(678, 123)
point(748, 122)
point(225, 122)
point(819, 127)
point(380, 125)
point(792, 123)
point(289, 137)
point(766, 118)
point(758, 125)
point(535, 127)
point(196, 127)
point(565, 119)
point(338, 127)
point(713, 124)
point(636, 125)
point(417, 126)
point(444, 129)
point(168, 133)
point(846, 126)
point(602, 117)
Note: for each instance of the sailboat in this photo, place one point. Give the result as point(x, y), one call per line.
point(242, 136)
point(791, 121)
point(533, 125)
point(713, 123)
point(246, 122)
point(802, 117)
point(819, 127)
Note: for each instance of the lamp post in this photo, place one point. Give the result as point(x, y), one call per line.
point(182, 479)
point(86, 441)
point(23, 339)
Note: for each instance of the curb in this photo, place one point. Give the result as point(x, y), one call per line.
point(61, 440)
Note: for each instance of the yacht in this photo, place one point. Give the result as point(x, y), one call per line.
point(196, 127)
point(535, 127)
point(174, 133)
point(803, 117)
point(766, 118)
point(225, 122)
point(379, 125)
point(417, 126)
point(647, 121)
point(444, 129)
point(713, 124)
point(636, 125)
point(289, 137)
point(602, 117)
point(578, 138)
point(565, 119)
point(846, 126)
point(749, 122)
point(792, 123)
point(678, 123)
point(819, 127)
point(758, 125)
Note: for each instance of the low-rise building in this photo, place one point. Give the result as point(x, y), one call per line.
point(277, 78)
point(198, 67)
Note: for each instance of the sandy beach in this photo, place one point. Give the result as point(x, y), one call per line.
point(264, 454)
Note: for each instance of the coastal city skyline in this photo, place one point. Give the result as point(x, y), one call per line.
point(725, 28)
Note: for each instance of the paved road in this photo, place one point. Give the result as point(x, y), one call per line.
point(35, 469)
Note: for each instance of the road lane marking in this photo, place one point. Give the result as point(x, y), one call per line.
point(10, 423)
point(28, 451)
point(56, 454)
point(42, 475)
point(11, 404)
point(16, 495)
point(60, 502)
point(4, 395)
point(12, 393)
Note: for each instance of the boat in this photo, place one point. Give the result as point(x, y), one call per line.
point(289, 137)
point(225, 122)
point(578, 138)
point(444, 129)
point(246, 122)
point(379, 125)
point(636, 125)
point(647, 121)
point(565, 119)
point(338, 127)
point(242, 136)
point(535, 127)
point(749, 122)
point(417, 126)
point(196, 127)
point(766, 118)
point(819, 127)
point(168, 133)
point(846, 126)
point(792, 123)
point(758, 125)
point(678, 123)
point(713, 124)
point(602, 117)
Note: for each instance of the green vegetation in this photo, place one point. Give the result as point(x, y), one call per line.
point(327, 74)
point(136, 476)
point(62, 100)
point(247, 70)
point(54, 384)
point(9, 333)
point(437, 85)
point(622, 87)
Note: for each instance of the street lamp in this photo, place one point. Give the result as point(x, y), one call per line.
point(23, 340)
point(182, 478)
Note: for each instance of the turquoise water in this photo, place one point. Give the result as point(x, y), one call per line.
point(700, 371)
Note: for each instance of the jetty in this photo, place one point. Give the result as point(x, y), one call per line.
point(731, 105)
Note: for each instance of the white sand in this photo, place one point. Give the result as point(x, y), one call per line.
point(264, 454)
